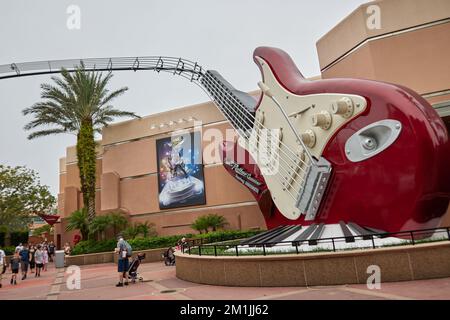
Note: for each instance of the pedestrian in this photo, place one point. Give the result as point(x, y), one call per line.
point(39, 259)
point(19, 247)
point(51, 251)
point(124, 251)
point(24, 261)
point(45, 258)
point(15, 264)
point(67, 249)
point(2, 265)
point(31, 258)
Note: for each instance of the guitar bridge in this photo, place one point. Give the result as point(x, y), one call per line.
point(313, 188)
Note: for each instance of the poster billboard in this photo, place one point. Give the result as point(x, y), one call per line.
point(180, 171)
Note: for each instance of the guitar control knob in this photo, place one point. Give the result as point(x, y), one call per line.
point(343, 107)
point(322, 119)
point(309, 138)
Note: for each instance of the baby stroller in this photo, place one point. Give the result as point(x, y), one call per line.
point(132, 270)
point(169, 257)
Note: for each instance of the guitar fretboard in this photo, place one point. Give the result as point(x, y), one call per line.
point(238, 107)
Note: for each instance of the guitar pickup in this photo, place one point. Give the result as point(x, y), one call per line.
point(313, 189)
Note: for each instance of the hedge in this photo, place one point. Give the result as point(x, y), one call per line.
point(9, 251)
point(18, 237)
point(15, 237)
point(92, 246)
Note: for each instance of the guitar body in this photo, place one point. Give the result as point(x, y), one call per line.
point(404, 186)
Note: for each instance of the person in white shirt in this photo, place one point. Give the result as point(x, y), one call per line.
point(2, 265)
point(19, 247)
point(39, 259)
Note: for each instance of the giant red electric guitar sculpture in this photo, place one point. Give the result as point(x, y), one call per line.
point(346, 151)
point(371, 153)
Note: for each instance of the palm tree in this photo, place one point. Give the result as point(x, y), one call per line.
point(98, 226)
point(146, 229)
point(200, 224)
point(79, 104)
point(117, 221)
point(215, 221)
point(78, 220)
point(132, 231)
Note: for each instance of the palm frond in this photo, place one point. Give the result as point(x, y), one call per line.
point(43, 133)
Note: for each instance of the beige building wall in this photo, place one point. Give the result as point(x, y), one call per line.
point(127, 174)
point(395, 16)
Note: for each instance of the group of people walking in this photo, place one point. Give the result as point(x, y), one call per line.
point(33, 258)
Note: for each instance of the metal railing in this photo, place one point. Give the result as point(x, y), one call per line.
point(198, 246)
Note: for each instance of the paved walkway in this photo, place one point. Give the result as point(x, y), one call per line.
point(160, 283)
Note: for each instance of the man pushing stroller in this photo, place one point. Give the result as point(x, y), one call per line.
point(124, 250)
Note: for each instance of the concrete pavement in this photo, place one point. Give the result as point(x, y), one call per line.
point(160, 283)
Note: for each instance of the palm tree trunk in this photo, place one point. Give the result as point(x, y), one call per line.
point(87, 166)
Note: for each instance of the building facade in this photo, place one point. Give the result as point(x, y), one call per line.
point(399, 41)
point(127, 178)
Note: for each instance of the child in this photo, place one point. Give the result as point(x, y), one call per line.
point(39, 259)
point(15, 264)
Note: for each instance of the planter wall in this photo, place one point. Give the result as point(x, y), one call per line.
point(424, 261)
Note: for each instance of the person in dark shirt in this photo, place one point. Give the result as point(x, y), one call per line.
point(15, 264)
point(51, 251)
point(31, 258)
point(24, 260)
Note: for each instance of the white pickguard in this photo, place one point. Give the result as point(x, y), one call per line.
point(291, 170)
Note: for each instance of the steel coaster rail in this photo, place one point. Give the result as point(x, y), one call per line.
point(157, 63)
point(185, 68)
point(192, 244)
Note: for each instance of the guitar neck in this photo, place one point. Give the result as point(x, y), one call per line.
point(238, 107)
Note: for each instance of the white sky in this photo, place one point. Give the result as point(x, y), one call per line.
point(220, 35)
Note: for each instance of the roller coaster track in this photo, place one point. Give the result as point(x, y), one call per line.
point(218, 90)
point(177, 66)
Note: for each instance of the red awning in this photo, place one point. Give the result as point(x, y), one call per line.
point(49, 218)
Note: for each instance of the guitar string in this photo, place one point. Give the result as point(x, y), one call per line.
point(289, 164)
point(252, 118)
point(241, 134)
point(289, 173)
point(234, 119)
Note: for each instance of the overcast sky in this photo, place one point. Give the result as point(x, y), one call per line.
point(220, 35)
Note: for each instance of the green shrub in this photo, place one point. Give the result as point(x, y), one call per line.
point(200, 224)
point(137, 229)
point(225, 235)
point(205, 222)
point(9, 251)
point(46, 228)
point(91, 246)
point(18, 237)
